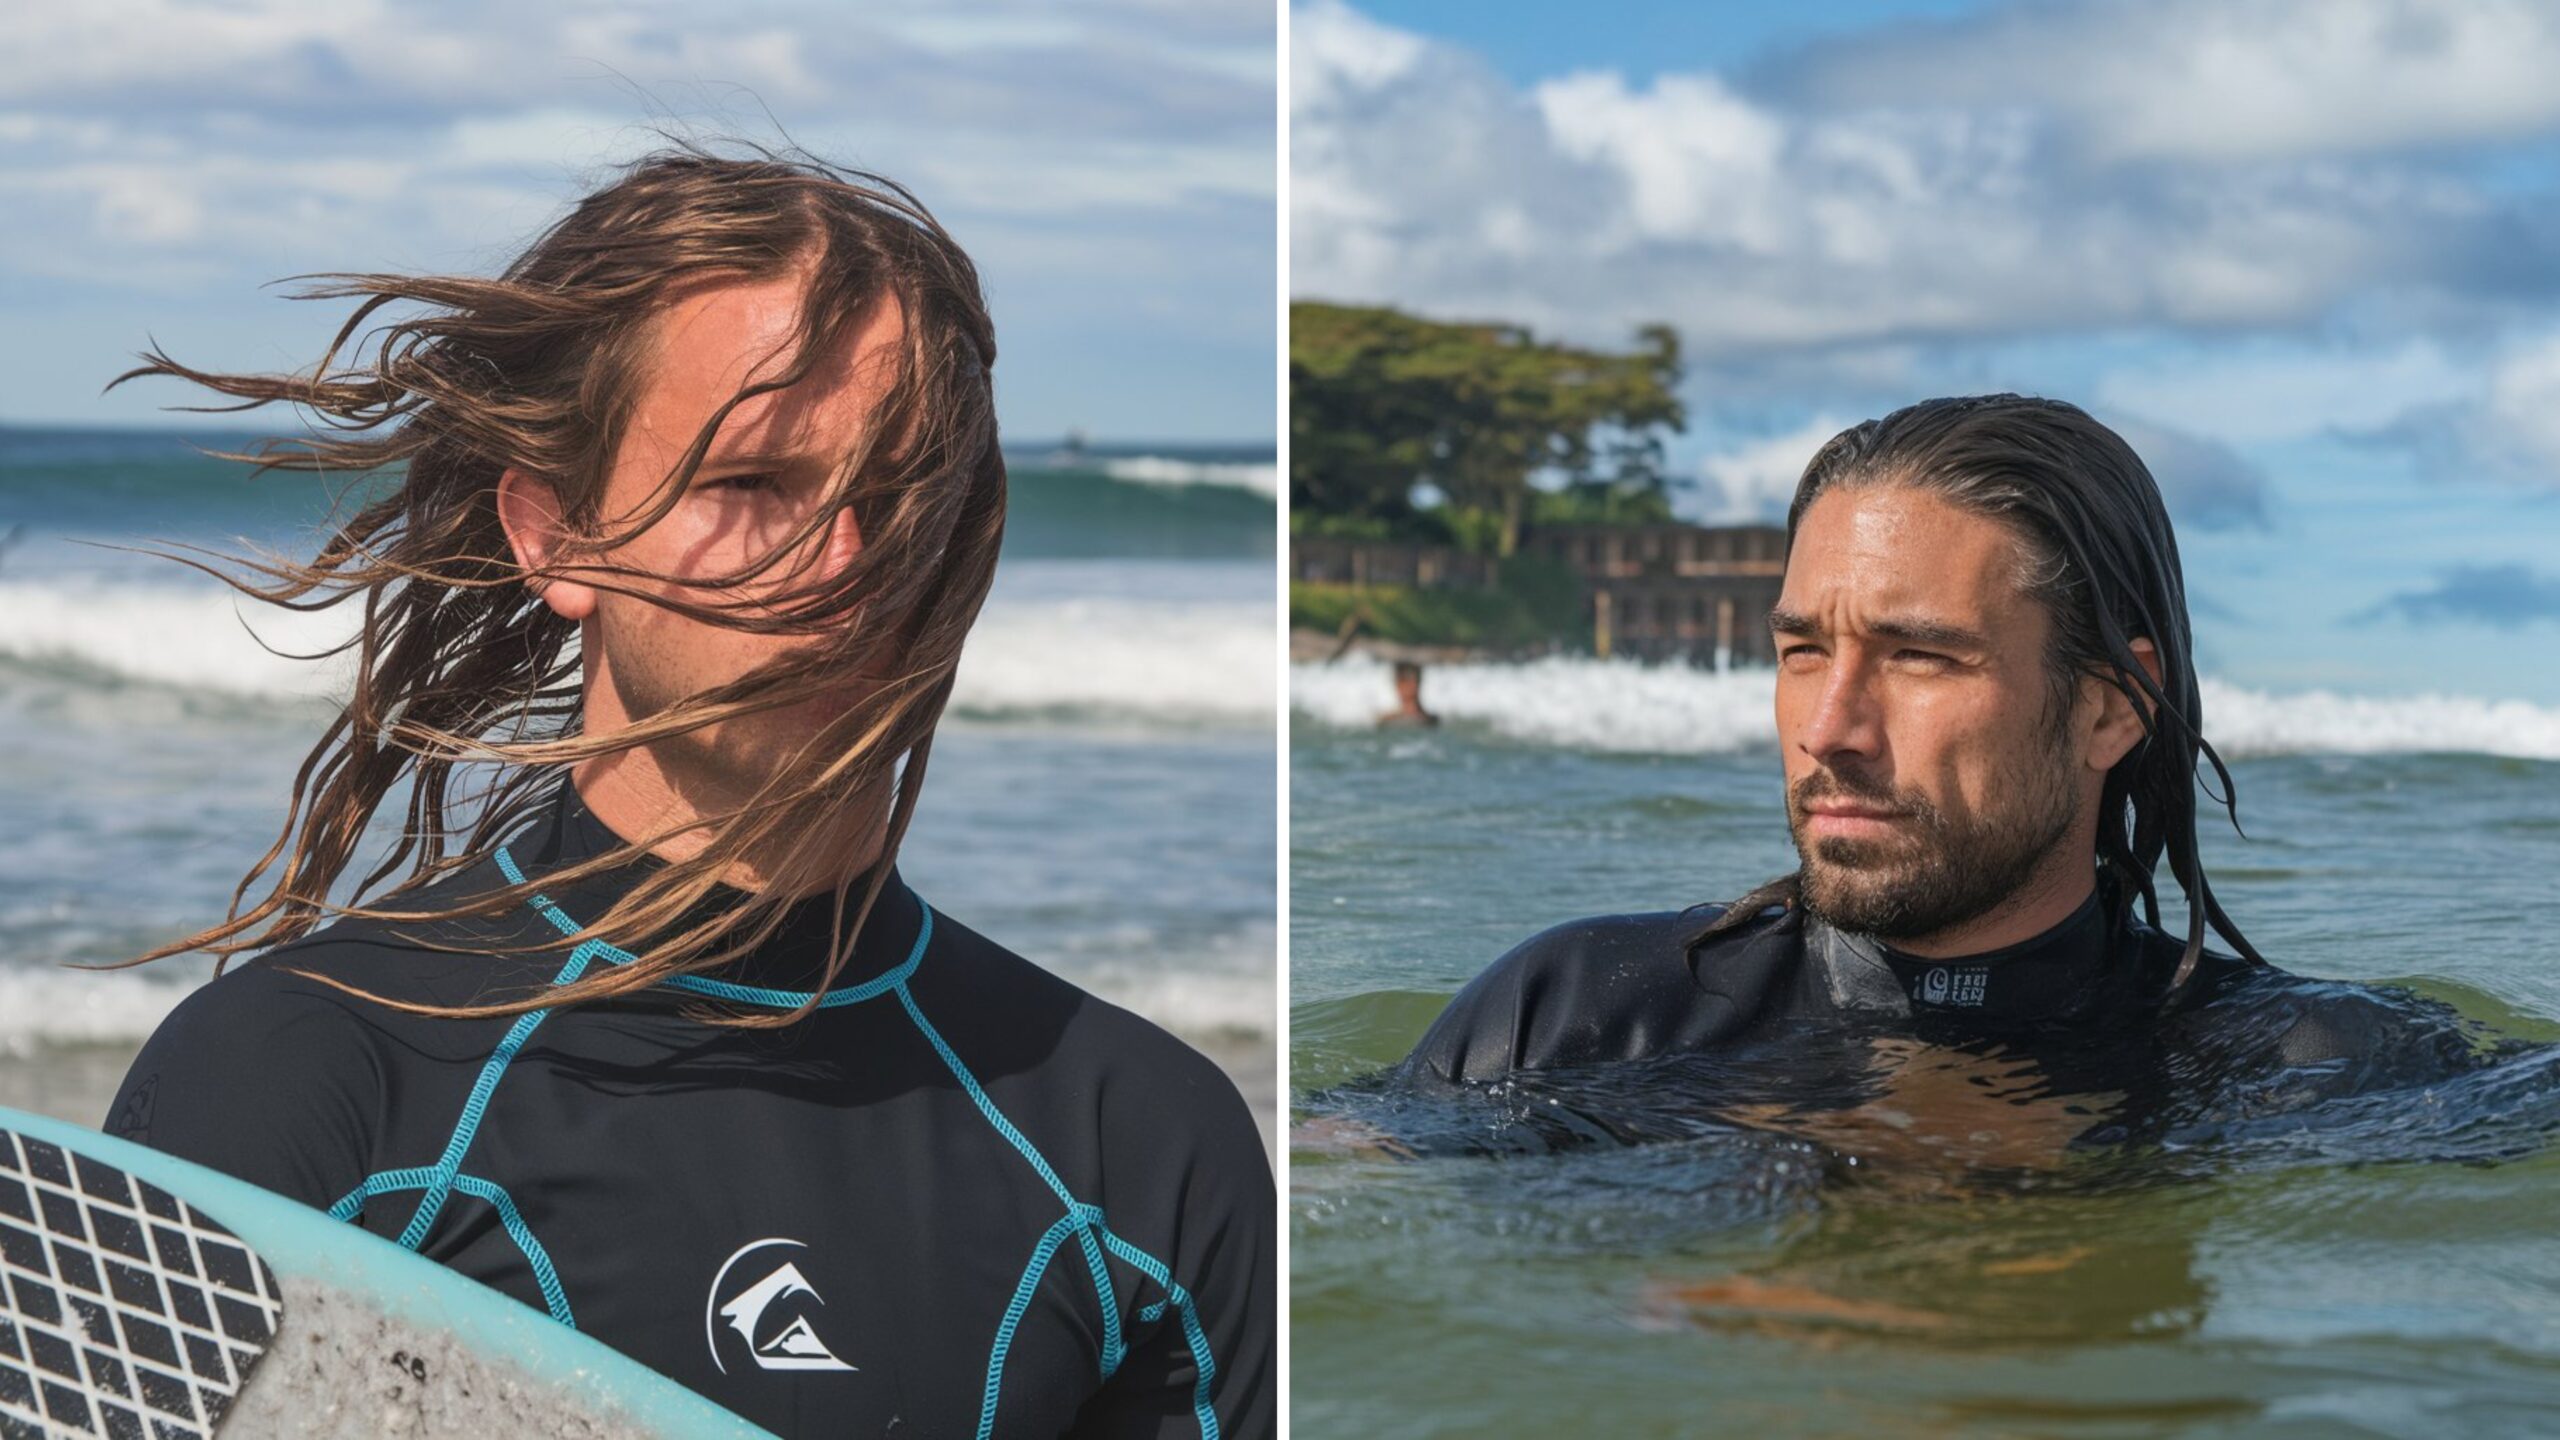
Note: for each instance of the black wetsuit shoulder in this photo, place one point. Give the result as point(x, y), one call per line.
point(1633, 987)
point(1607, 987)
point(963, 1138)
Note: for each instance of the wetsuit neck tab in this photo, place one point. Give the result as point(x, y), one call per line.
point(2050, 976)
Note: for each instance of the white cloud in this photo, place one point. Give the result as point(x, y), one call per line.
point(1334, 49)
point(2522, 407)
point(1753, 483)
point(2227, 80)
point(158, 156)
point(1758, 220)
point(1689, 151)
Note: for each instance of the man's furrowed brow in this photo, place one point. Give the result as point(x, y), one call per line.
point(1936, 634)
point(1909, 630)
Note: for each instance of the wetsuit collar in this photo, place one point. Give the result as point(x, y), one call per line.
point(794, 959)
point(2049, 977)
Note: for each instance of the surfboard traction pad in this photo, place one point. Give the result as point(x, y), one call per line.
point(125, 1311)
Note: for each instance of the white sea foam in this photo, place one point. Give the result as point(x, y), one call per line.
point(52, 1006)
point(195, 637)
point(1120, 655)
point(1193, 1004)
point(1203, 661)
point(57, 1006)
point(1259, 477)
point(1615, 705)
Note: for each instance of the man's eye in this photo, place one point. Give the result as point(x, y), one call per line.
point(1922, 657)
point(759, 480)
point(1796, 652)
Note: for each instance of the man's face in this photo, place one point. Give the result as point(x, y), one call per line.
point(1929, 776)
point(770, 468)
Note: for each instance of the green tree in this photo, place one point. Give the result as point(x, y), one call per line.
point(1381, 403)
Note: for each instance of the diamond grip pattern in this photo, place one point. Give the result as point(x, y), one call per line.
point(124, 1312)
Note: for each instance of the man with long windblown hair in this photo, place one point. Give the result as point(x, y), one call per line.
point(686, 517)
point(1990, 726)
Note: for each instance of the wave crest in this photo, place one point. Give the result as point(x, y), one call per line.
point(1622, 706)
point(1125, 657)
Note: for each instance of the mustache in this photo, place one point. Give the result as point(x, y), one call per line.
point(1853, 785)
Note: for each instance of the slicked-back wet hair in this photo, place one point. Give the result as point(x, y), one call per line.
point(2102, 560)
point(458, 663)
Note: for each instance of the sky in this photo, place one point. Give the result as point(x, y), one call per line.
point(2303, 254)
point(1110, 165)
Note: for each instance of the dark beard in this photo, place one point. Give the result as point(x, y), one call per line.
point(1940, 872)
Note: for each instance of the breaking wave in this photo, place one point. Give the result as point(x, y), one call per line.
point(1622, 706)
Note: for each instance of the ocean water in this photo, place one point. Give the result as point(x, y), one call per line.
point(1102, 798)
point(2383, 1267)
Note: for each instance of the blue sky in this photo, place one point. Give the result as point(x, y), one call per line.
point(1110, 165)
point(2305, 254)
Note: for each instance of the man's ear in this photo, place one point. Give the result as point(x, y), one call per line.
point(529, 511)
point(2119, 724)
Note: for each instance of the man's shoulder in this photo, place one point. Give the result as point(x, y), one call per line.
point(1615, 956)
point(1603, 987)
point(1014, 1018)
point(423, 945)
point(2299, 1020)
point(333, 981)
point(983, 986)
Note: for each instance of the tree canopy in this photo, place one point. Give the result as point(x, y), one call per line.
point(1382, 403)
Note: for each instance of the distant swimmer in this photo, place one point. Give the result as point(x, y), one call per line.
point(691, 510)
point(1989, 718)
point(1408, 712)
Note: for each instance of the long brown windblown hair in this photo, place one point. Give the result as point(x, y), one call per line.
point(461, 671)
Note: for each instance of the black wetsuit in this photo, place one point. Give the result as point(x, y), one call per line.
point(963, 1198)
point(1785, 1009)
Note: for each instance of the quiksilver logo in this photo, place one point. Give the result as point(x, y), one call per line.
point(769, 1316)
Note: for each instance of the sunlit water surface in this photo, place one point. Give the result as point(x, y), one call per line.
point(1943, 1265)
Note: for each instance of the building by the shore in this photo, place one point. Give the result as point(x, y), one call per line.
point(1656, 592)
point(1664, 592)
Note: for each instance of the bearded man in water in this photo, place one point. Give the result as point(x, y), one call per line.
point(695, 505)
point(1989, 717)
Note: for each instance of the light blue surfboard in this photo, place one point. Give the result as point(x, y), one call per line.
point(142, 1295)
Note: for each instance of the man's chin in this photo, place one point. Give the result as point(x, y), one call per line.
point(1862, 899)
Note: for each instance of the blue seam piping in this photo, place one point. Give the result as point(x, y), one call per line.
point(1084, 1221)
point(1113, 1347)
point(467, 1127)
point(545, 1277)
point(1204, 1365)
point(1032, 1272)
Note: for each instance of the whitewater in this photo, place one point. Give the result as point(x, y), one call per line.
point(1624, 707)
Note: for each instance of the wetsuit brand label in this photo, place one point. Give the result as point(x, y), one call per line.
point(1945, 986)
point(767, 1317)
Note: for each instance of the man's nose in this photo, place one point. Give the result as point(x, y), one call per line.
point(1847, 719)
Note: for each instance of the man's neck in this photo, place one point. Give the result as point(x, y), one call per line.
point(635, 796)
point(2050, 898)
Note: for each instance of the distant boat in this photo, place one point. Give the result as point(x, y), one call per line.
point(1070, 454)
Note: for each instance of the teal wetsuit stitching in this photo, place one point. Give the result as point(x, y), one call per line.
point(1204, 1365)
point(1087, 1222)
point(1084, 1221)
point(1113, 1348)
point(1038, 1266)
point(441, 1179)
